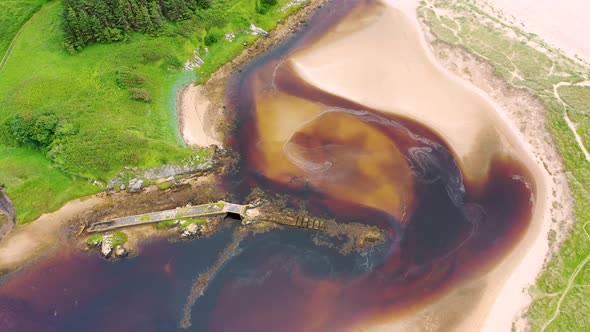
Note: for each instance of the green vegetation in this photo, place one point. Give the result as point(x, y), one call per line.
point(562, 289)
point(94, 239)
point(184, 223)
point(68, 120)
point(100, 21)
point(165, 185)
point(165, 224)
point(119, 238)
point(145, 218)
point(13, 14)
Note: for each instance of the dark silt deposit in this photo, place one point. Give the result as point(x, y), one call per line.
point(343, 161)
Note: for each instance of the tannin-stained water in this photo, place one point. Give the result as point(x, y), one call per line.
point(342, 160)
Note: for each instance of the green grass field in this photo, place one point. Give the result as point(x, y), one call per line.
point(561, 294)
point(95, 91)
point(13, 14)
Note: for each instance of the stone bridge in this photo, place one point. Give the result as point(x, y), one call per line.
point(205, 210)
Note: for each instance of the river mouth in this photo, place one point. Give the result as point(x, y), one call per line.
point(449, 214)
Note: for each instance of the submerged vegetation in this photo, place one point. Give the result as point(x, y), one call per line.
point(524, 61)
point(70, 122)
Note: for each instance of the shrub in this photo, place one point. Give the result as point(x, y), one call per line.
point(262, 6)
point(211, 38)
point(126, 77)
point(140, 94)
point(38, 130)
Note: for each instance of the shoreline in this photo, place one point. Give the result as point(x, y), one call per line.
point(194, 120)
point(476, 128)
point(38, 237)
point(503, 303)
point(209, 122)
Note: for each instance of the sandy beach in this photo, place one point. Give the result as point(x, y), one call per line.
point(195, 123)
point(412, 83)
point(41, 236)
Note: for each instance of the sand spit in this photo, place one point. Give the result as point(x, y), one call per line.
point(400, 74)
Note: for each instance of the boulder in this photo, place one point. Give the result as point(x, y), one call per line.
point(120, 251)
point(190, 230)
point(135, 185)
point(106, 248)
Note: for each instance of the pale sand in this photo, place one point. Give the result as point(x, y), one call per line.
point(563, 23)
point(194, 123)
point(42, 236)
point(399, 74)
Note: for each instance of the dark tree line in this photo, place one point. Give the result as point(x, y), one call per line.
point(104, 21)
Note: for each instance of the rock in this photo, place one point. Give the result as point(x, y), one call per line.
point(123, 186)
point(112, 184)
point(229, 36)
point(170, 179)
point(120, 251)
point(106, 248)
point(135, 185)
point(135, 169)
point(205, 166)
point(190, 230)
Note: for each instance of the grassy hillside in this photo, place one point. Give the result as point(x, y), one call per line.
point(561, 293)
point(13, 14)
point(116, 99)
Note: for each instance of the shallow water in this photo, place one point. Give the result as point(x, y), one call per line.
point(342, 160)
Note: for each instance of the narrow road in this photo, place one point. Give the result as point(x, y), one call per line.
point(8, 52)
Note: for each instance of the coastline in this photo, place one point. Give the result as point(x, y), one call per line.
point(34, 240)
point(463, 127)
point(201, 109)
point(194, 121)
point(41, 237)
point(505, 299)
point(499, 300)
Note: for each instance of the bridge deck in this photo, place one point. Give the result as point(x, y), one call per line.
point(205, 210)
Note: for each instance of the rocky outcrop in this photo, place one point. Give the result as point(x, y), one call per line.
point(169, 170)
point(190, 231)
point(194, 164)
point(107, 246)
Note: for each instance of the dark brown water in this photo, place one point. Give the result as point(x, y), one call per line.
point(342, 160)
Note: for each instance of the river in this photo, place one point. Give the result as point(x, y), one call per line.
point(446, 220)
